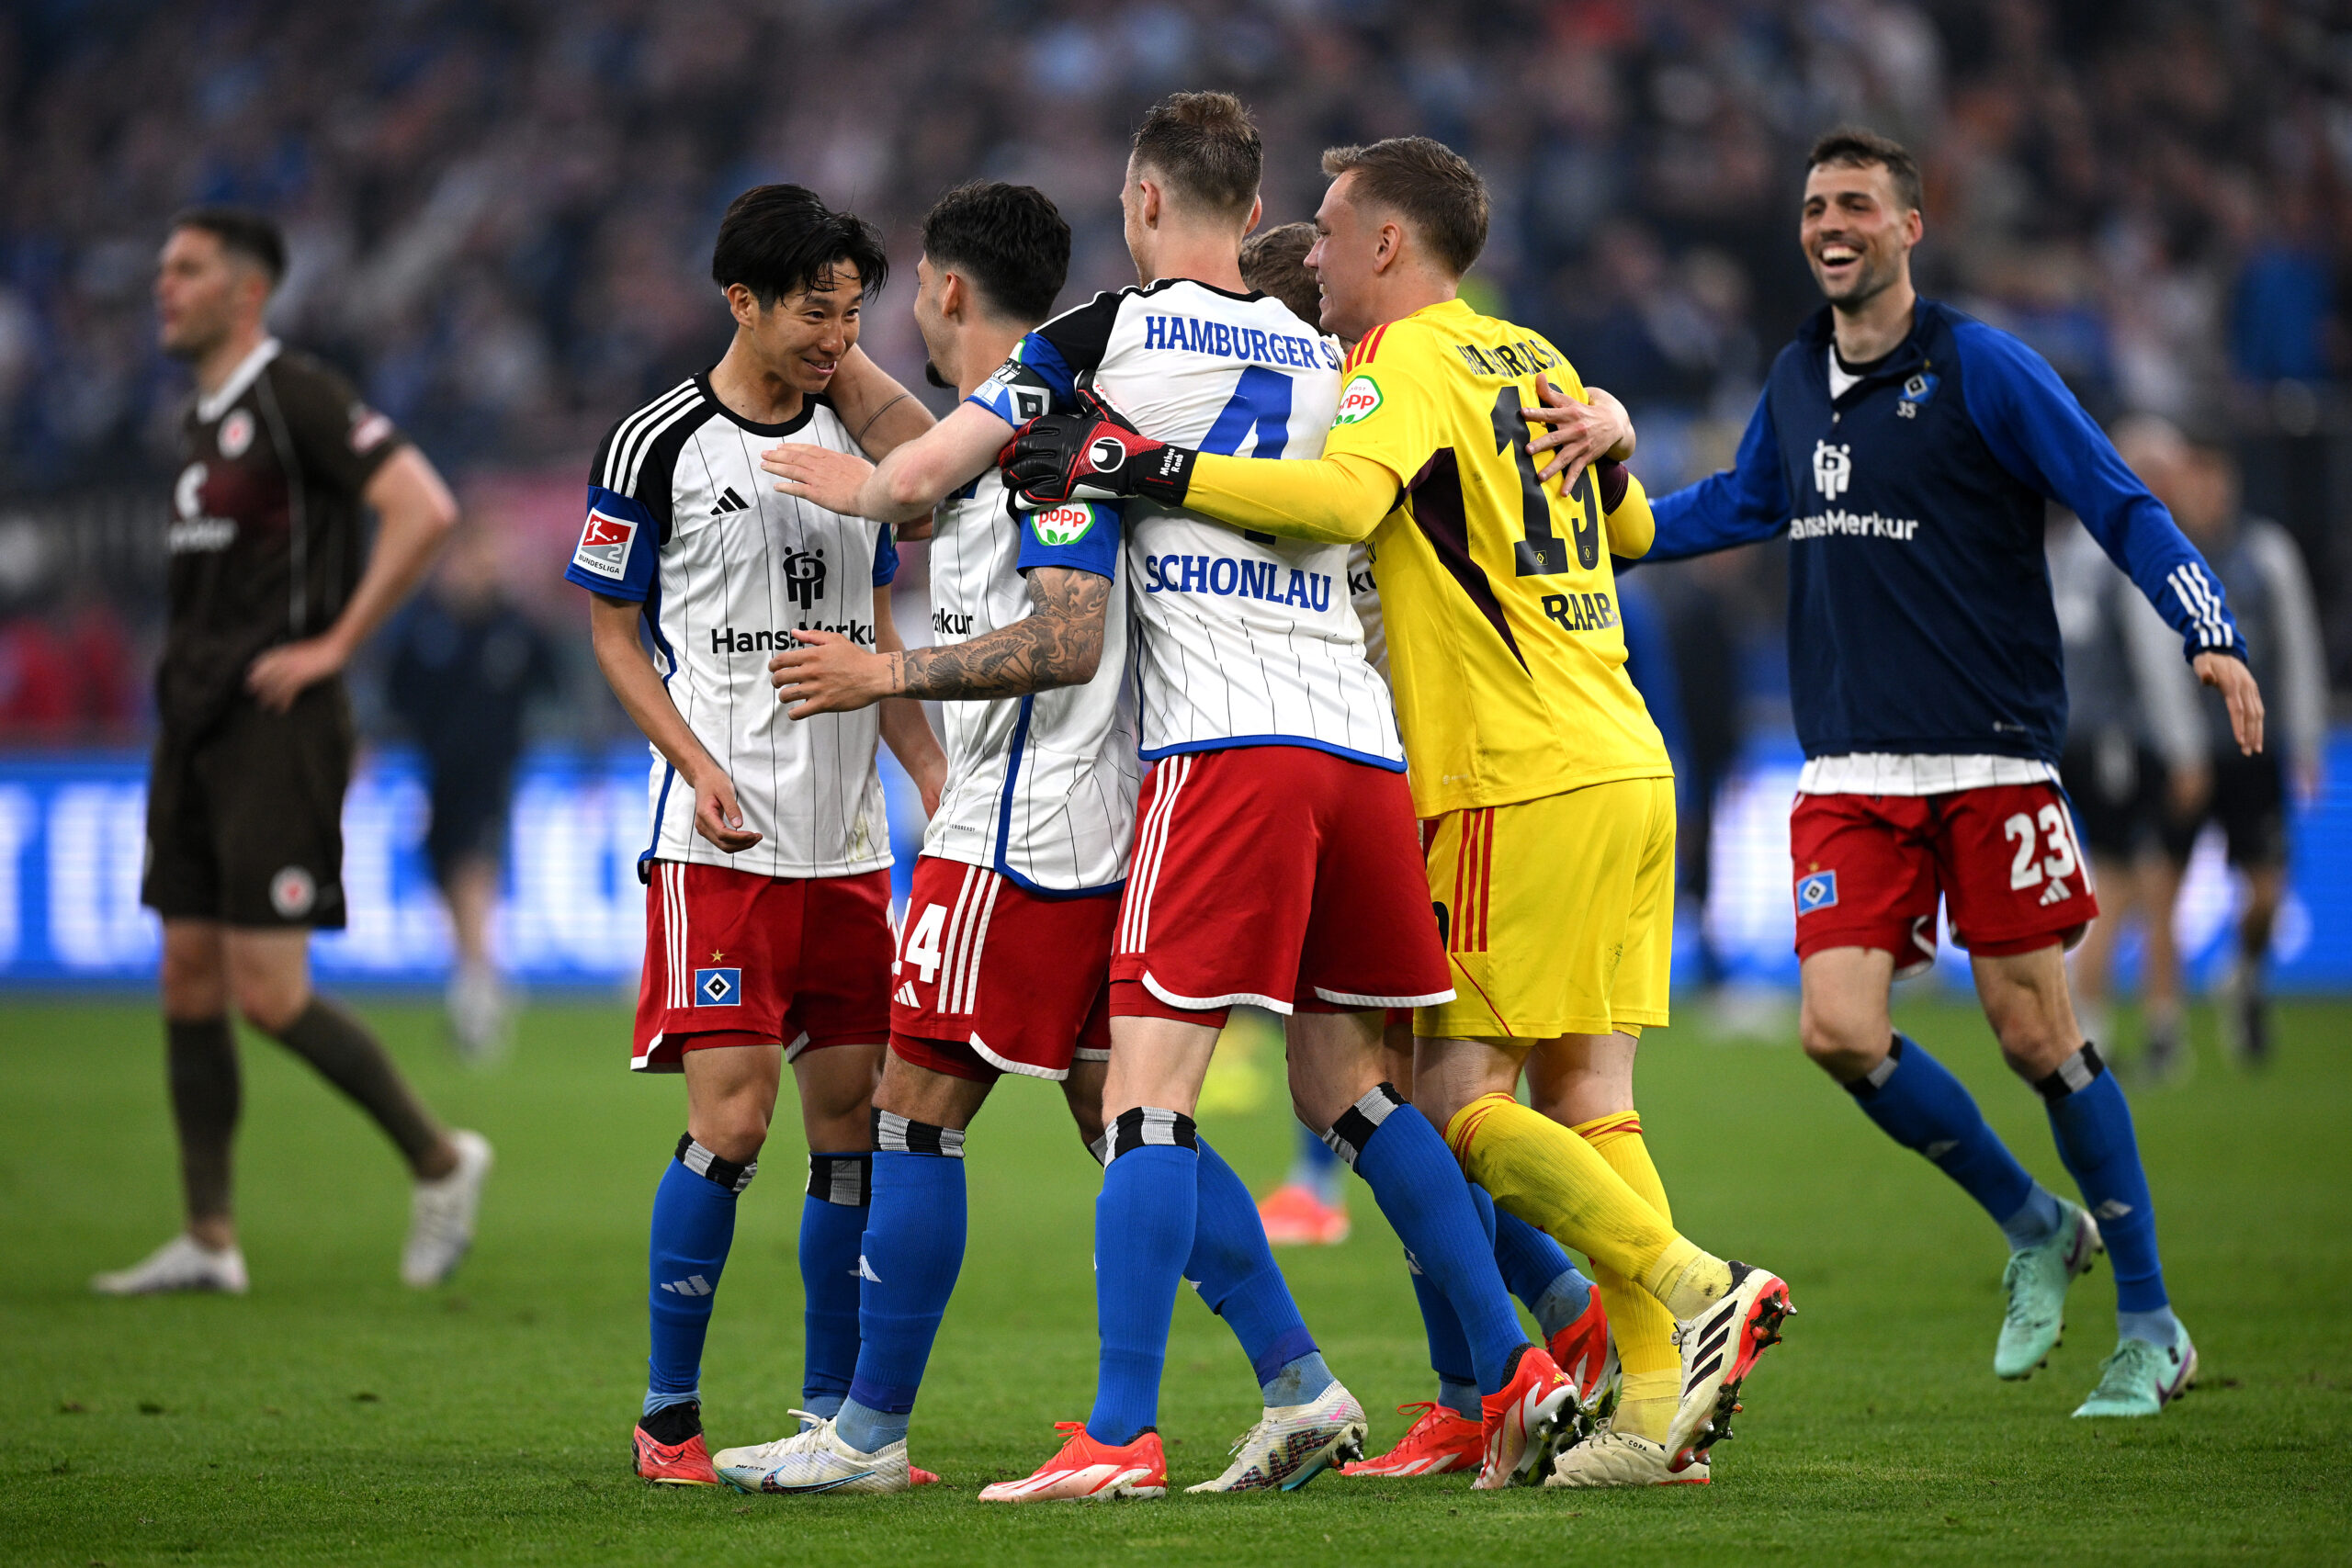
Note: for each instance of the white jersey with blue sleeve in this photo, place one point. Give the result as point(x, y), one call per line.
point(1241, 639)
point(681, 520)
point(1041, 789)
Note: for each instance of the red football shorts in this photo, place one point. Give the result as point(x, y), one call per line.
point(732, 953)
point(992, 980)
point(1870, 868)
point(1277, 876)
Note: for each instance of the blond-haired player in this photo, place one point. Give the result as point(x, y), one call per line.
point(1544, 789)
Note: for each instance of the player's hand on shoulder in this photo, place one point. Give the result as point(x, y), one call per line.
point(283, 673)
point(1582, 432)
point(819, 474)
point(717, 817)
point(828, 674)
point(2227, 673)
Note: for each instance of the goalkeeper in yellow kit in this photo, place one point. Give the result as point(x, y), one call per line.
point(1544, 790)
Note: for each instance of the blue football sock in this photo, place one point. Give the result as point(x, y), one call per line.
point(1234, 1269)
point(1144, 1224)
point(1537, 1271)
point(1316, 1168)
point(1449, 1352)
point(2158, 1327)
point(2093, 1126)
point(1918, 1102)
point(833, 1227)
point(694, 1225)
point(1448, 1348)
point(1420, 1188)
point(913, 1250)
point(1461, 1396)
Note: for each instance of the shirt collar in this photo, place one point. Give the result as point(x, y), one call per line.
point(213, 406)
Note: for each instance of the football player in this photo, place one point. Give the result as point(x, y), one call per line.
point(1446, 1434)
point(767, 916)
point(1275, 859)
point(1005, 960)
point(1535, 766)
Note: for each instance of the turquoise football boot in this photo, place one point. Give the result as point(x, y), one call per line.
point(2141, 1378)
point(2035, 1283)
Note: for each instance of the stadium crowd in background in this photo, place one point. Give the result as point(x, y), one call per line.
point(496, 229)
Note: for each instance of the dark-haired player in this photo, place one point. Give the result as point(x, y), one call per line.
point(1004, 965)
point(767, 927)
point(272, 587)
point(1910, 453)
point(1275, 859)
point(1545, 791)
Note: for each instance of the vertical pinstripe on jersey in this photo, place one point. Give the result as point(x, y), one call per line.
point(809, 787)
point(1219, 666)
point(1040, 788)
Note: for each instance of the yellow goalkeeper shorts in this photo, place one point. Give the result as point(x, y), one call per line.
point(1557, 913)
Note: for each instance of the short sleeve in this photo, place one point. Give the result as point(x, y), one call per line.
point(1043, 371)
point(1080, 534)
point(886, 558)
point(340, 440)
point(1390, 403)
point(618, 545)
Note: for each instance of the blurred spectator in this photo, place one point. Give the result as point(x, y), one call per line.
point(2245, 796)
point(497, 212)
point(463, 664)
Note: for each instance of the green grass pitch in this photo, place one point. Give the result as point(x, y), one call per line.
point(334, 1417)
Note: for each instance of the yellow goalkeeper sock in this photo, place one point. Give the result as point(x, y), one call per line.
point(1643, 1328)
point(1557, 1182)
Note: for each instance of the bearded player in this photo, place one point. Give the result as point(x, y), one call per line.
point(1544, 787)
point(1004, 964)
point(767, 880)
point(1275, 858)
point(1911, 452)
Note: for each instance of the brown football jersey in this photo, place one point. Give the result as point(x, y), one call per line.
point(266, 537)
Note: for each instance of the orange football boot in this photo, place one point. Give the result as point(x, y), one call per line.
point(1525, 1419)
point(1086, 1469)
point(1441, 1442)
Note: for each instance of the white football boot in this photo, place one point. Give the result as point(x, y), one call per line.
point(1292, 1444)
point(182, 1263)
point(1719, 1346)
point(441, 1214)
point(1610, 1458)
point(813, 1460)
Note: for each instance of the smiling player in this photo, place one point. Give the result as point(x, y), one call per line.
point(767, 931)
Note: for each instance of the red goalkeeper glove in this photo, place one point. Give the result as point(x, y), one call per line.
point(1093, 455)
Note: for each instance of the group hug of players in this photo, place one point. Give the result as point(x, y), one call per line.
point(1141, 516)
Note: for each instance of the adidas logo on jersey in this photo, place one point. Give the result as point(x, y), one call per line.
point(906, 996)
point(692, 1285)
point(2057, 892)
point(727, 503)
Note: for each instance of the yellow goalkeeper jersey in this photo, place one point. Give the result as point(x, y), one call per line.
point(1505, 647)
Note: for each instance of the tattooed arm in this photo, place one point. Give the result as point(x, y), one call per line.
point(1058, 643)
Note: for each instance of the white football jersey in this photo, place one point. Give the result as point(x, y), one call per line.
point(1239, 639)
point(682, 519)
point(1041, 789)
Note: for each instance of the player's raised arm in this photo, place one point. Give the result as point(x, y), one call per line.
point(2037, 431)
point(1740, 506)
point(914, 477)
point(881, 415)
